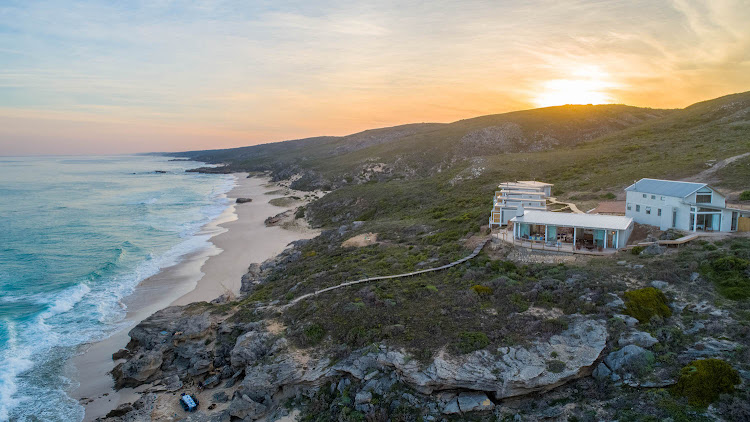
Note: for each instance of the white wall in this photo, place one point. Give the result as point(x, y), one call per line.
point(657, 202)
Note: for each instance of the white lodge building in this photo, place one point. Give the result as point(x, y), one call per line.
point(680, 205)
point(514, 197)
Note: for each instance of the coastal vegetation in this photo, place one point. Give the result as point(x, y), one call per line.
point(426, 190)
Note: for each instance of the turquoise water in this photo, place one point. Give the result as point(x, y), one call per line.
point(77, 234)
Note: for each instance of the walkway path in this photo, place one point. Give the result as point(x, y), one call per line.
point(386, 277)
point(570, 205)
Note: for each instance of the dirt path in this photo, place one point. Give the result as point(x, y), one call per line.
point(707, 175)
point(570, 205)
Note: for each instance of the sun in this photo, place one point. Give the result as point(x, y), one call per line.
point(587, 86)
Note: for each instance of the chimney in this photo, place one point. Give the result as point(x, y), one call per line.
point(520, 211)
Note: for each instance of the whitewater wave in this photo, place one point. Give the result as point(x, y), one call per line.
point(15, 360)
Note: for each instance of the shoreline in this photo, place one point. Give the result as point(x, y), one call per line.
point(238, 238)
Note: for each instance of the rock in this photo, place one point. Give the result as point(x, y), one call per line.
point(638, 266)
point(244, 407)
point(221, 397)
point(451, 408)
point(200, 367)
point(653, 249)
point(661, 285)
point(601, 372)
point(709, 348)
point(357, 224)
point(627, 355)
point(638, 338)
point(173, 383)
point(474, 402)
point(627, 319)
point(120, 410)
point(137, 371)
point(622, 262)
point(278, 218)
point(341, 386)
point(694, 277)
point(249, 348)
point(698, 326)
point(243, 200)
point(616, 302)
point(212, 381)
point(121, 354)
point(363, 397)
point(343, 229)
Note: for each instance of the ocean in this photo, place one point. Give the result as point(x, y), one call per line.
point(77, 234)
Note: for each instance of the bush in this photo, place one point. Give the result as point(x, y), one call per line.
point(729, 274)
point(314, 334)
point(643, 304)
point(702, 381)
point(745, 196)
point(637, 250)
point(481, 290)
point(469, 341)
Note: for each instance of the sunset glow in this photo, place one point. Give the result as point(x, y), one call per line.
point(136, 76)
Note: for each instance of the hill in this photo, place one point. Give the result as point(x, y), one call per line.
point(465, 341)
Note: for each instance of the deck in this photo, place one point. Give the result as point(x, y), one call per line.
point(507, 237)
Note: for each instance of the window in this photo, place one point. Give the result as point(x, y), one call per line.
point(644, 195)
point(662, 198)
point(653, 196)
point(658, 212)
point(637, 208)
point(703, 198)
point(629, 207)
point(648, 210)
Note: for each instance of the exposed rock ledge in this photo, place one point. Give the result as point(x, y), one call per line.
point(190, 344)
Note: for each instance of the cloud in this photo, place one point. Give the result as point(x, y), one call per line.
point(252, 72)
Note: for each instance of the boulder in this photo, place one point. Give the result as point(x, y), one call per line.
point(244, 407)
point(243, 200)
point(628, 355)
point(474, 402)
point(638, 338)
point(653, 249)
point(221, 397)
point(629, 320)
point(661, 285)
point(137, 371)
point(601, 372)
point(451, 408)
point(363, 397)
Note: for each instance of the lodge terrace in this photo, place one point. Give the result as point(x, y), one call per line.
point(568, 232)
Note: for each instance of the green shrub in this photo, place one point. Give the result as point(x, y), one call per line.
point(745, 196)
point(314, 334)
point(482, 290)
point(643, 304)
point(300, 213)
point(729, 274)
point(469, 341)
point(702, 381)
point(637, 250)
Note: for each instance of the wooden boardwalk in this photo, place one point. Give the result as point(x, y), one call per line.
point(387, 277)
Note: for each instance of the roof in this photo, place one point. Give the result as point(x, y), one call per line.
point(609, 207)
point(665, 187)
point(588, 221)
point(534, 183)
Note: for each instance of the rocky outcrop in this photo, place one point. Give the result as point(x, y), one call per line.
point(190, 344)
point(243, 200)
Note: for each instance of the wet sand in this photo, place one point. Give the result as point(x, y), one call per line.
point(239, 238)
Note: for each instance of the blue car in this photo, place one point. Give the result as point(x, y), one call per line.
point(188, 402)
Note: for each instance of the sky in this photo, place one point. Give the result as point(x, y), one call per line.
point(160, 75)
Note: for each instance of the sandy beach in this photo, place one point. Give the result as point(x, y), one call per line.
point(239, 238)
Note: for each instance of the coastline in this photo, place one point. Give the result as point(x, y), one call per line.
point(238, 237)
